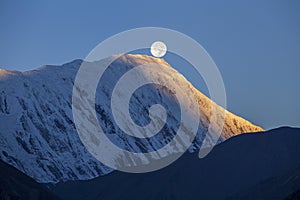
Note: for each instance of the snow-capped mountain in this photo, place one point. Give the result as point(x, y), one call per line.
point(38, 135)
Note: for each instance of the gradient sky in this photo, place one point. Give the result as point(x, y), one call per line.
point(255, 44)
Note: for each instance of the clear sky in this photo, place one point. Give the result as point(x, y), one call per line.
point(255, 44)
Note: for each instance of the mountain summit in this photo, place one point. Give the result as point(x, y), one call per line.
point(38, 134)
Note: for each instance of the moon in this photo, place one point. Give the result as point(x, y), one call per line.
point(158, 49)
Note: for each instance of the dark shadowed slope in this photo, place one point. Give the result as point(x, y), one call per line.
point(14, 185)
point(240, 165)
point(274, 188)
point(294, 196)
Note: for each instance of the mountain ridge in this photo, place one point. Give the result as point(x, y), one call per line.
point(233, 170)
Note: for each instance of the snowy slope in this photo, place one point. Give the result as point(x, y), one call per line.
point(37, 133)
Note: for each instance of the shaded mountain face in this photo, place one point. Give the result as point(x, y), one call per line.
point(249, 166)
point(15, 185)
point(294, 196)
point(37, 131)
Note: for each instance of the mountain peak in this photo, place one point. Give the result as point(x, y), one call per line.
point(74, 62)
point(139, 59)
point(4, 72)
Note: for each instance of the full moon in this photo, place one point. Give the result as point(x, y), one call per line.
point(158, 49)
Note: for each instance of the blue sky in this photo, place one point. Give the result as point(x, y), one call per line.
point(255, 44)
